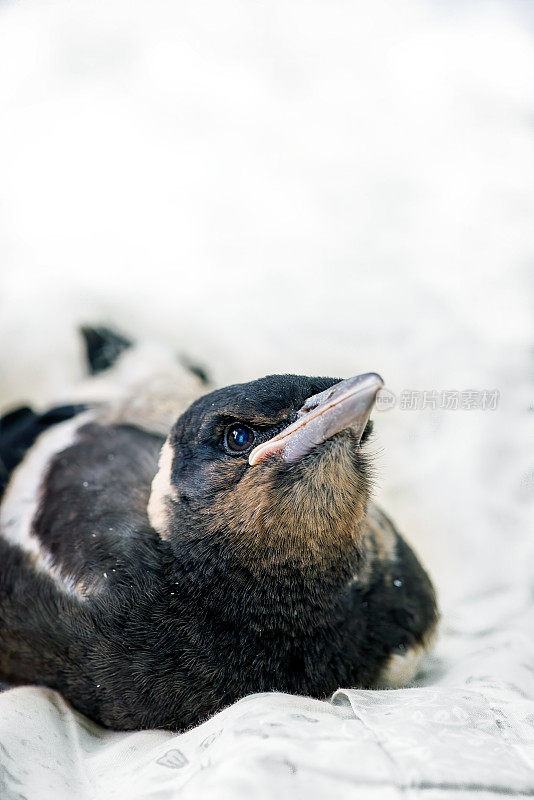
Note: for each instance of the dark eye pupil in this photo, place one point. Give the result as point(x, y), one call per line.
point(239, 438)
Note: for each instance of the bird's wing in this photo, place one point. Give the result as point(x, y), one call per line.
point(76, 500)
point(399, 597)
point(148, 387)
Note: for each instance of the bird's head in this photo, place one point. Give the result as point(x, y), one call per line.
point(272, 470)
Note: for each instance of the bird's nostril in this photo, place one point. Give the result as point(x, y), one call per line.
point(312, 404)
point(302, 412)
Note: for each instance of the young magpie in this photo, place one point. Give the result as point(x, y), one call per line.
point(165, 553)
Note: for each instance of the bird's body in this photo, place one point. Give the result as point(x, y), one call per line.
point(154, 579)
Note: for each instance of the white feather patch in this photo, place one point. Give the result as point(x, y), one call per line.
point(401, 668)
point(21, 499)
point(162, 490)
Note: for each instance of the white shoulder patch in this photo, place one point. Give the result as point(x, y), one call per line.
point(162, 490)
point(21, 498)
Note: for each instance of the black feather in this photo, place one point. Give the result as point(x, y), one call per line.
point(102, 347)
point(19, 430)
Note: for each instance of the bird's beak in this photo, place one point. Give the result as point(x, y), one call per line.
point(347, 404)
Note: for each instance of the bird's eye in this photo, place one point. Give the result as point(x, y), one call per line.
point(238, 438)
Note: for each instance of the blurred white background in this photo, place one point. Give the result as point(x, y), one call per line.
point(314, 187)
